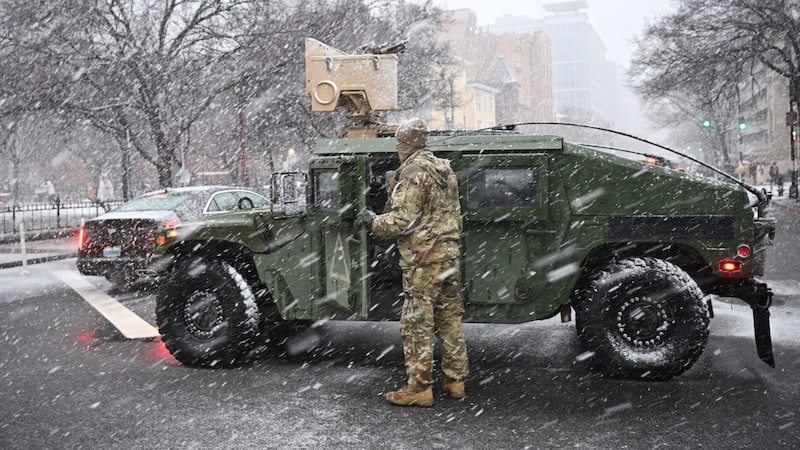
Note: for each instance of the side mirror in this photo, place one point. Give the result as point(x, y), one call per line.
point(288, 193)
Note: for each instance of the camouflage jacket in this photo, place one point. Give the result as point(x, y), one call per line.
point(425, 215)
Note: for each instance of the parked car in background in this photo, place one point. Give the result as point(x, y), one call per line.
point(117, 244)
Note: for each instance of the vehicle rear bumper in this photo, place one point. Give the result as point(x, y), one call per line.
point(109, 266)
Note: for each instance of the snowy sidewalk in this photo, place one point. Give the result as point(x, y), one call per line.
point(38, 251)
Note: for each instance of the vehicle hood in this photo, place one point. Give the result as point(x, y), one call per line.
point(608, 185)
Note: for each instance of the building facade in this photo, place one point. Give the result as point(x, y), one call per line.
point(580, 78)
point(766, 137)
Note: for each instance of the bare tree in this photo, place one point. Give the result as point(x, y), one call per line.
point(147, 71)
point(143, 70)
point(683, 75)
point(694, 61)
point(171, 60)
point(279, 110)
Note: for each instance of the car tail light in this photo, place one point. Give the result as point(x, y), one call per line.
point(172, 223)
point(81, 237)
point(729, 266)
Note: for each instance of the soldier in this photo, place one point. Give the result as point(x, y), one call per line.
point(425, 217)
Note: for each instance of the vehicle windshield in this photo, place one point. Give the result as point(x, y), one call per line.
point(155, 202)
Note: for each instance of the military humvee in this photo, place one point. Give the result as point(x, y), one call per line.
point(549, 227)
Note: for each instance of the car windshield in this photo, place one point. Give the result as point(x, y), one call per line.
point(155, 202)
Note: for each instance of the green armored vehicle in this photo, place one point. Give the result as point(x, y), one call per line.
point(549, 227)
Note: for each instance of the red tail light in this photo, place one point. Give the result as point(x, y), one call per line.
point(743, 251)
point(172, 223)
point(81, 237)
point(730, 266)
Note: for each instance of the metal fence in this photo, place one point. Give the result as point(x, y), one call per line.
point(57, 216)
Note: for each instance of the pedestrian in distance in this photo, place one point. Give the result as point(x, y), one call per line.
point(740, 171)
point(51, 191)
point(773, 173)
point(105, 189)
point(425, 217)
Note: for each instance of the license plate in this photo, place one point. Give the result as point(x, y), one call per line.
point(112, 252)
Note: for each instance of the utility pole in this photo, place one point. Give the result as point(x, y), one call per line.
point(794, 85)
point(242, 151)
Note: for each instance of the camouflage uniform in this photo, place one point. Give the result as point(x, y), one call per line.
point(425, 217)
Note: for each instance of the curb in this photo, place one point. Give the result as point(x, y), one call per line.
point(9, 238)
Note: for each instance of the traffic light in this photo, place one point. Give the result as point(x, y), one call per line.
point(792, 118)
point(742, 124)
point(706, 123)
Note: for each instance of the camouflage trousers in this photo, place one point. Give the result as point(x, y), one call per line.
point(432, 305)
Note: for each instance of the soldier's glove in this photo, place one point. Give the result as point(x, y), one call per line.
point(365, 217)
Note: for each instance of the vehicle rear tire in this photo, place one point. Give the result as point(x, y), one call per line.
point(642, 318)
point(207, 314)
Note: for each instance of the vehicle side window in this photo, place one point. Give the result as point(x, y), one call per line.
point(503, 188)
point(223, 201)
point(326, 190)
point(258, 201)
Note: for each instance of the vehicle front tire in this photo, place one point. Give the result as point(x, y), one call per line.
point(207, 314)
point(642, 318)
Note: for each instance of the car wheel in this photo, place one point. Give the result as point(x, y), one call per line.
point(207, 314)
point(642, 318)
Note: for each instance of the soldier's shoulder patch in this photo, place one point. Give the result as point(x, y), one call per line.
point(410, 170)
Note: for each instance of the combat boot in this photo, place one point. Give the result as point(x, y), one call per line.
point(409, 397)
point(454, 387)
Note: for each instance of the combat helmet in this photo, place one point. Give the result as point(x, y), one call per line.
point(412, 132)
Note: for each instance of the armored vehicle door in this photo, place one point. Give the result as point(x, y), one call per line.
point(509, 232)
point(336, 194)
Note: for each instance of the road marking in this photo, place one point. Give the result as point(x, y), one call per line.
point(127, 322)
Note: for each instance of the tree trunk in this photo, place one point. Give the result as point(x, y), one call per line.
point(126, 171)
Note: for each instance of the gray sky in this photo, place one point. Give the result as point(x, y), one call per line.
point(616, 21)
